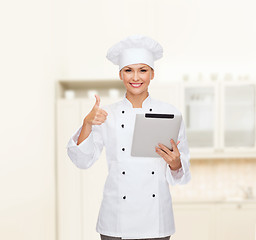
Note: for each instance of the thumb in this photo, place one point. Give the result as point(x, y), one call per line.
point(97, 103)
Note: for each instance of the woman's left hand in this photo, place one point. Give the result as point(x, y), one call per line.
point(172, 158)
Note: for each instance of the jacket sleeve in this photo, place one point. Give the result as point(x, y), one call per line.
point(182, 175)
point(88, 151)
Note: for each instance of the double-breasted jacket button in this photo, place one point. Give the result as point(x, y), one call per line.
point(124, 197)
point(123, 172)
point(123, 149)
point(153, 195)
point(122, 125)
point(123, 111)
point(150, 109)
point(153, 172)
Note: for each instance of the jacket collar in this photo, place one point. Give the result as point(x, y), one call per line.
point(146, 103)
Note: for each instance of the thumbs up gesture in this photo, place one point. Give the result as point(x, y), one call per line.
point(96, 116)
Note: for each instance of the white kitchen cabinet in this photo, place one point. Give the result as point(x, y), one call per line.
point(236, 221)
point(238, 117)
point(92, 182)
point(194, 222)
point(79, 191)
point(215, 220)
point(220, 119)
point(69, 199)
point(200, 110)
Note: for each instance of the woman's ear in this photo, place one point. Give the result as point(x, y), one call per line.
point(120, 76)
point(152, 74)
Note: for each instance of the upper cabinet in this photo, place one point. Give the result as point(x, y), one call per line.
point(200, 110)
point(238, 112)
point(220, 119)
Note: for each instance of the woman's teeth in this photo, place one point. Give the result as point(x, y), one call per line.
point(136, 84)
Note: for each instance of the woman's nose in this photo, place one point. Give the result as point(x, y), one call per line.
point(136, 76)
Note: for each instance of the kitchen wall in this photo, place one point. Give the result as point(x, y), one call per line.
point(218, 179)
point(197, 36)
point(27, 162)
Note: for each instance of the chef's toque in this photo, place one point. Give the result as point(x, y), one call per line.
point(135, 49)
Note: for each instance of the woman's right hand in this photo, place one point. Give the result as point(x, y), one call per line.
point(96, 116)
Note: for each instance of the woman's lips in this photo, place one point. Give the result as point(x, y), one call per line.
point(136, 85)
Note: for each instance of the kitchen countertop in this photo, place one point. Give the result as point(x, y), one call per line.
point(200, 201)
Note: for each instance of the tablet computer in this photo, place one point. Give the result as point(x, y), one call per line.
point(151, 129)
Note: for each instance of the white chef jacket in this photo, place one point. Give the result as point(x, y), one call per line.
point(136, 198)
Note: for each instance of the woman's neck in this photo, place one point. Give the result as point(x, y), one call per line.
point(137, 100)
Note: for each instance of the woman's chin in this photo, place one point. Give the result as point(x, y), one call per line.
point(137, 91)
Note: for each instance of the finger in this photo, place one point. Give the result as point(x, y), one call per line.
point(162, 154)
point(159, 151)
point(165, 149)
point(176, 151)
point(97, 103)
point(178, 143)
point(96, 122)
point(100, 118)
point(174, 147)
point(103, 112)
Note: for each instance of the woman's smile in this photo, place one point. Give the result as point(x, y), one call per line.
point(136, 85)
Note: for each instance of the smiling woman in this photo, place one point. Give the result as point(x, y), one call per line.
point(136, 200)
point(136, 78)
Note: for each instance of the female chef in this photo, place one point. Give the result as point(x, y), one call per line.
point(136, 200)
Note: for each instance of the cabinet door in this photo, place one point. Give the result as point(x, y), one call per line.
point(236, 221)
point(194, 222)
point(200, 108)
point(79, 191)
point(68, 175)
point(239, 115)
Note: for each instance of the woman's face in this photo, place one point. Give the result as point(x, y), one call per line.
point(136, 78)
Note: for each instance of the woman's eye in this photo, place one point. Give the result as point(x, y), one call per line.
point(127, 70)
point(143, 70)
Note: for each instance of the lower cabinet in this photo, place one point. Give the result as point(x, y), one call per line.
point(215, 221)
point(79, 191)
point(236, 221)
point(193, 221)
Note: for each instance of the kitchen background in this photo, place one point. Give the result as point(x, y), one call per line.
point(53, 59)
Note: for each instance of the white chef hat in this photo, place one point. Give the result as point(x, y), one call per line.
point(135, 49)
